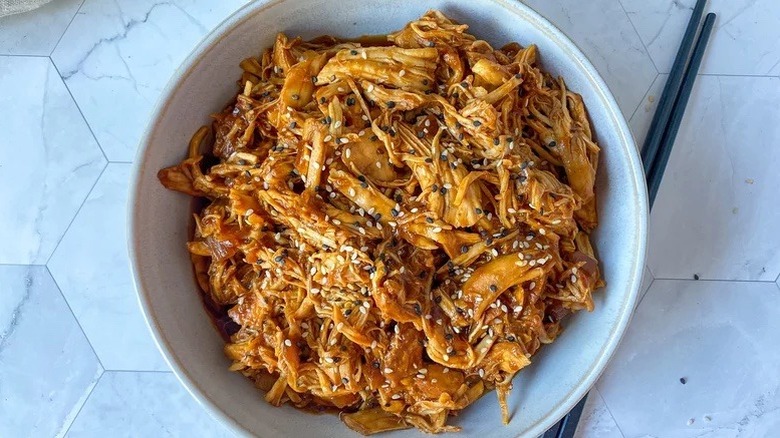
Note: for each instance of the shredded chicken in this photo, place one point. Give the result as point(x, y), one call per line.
point(392, 229)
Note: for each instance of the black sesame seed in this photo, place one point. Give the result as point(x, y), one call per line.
point(449, 336)
point(420, 134)
point(328, 120)
point(478, 210)
point(428, 160)
point(461, 136)
point(394, 212)
point(695, 276)
point(552, 144)
point(422, 274)
point(364, 185)
point(493, 288)
point(353, 52)
point(510, 338)
point(477, 123)
point(314, 79)
point(417, 309)
point(464, 84)
point(390, 104)
point(496, 141)
point(683, 380)
point(437, 299)
point(435, 187)
point(431, 44)
point(464, 249)
point(345, 380)
point(323, 99)
point(429, 220)
point(347, 312)
point(425, 82)
point(362, 178)
point(489, 241)
point(248, 173)
point(518, 76)
point(278, 259)
point(443, 157)
point(391, 131)
point(293, 125)
point(443, 190)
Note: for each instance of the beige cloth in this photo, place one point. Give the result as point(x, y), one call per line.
point(8, 7)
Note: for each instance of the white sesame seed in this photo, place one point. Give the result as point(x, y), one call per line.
point(347, 153)
point(481, 372)
point(370, 88)
point(573, 278)
point(396, 396)
point(378, 165)
point(329, 360)
point(532, 263)
point(518, 309)
point(445, 357)
point(542, 231)
point(373, 344)
point(288, 342)
point(574, 270)
point(328, 138)
point(437, 230)
point(363, 55)
point(434, 380)
point(401, 73)
point(388, 370)
point(352, 192)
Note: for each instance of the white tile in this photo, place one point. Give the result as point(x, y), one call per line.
point(47, 367)
point(640, 121)
point(127, 404)
point(92, 268)
point(36, 32)
point(720, 337)
point(716, 214)
point(48, 159)
point(602, 30)
point(596, 421)
point(117, 56)
point(744, 40)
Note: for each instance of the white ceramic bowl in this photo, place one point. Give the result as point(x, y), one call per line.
point(561, 373)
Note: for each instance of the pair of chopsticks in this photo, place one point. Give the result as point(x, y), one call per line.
point(671, 107)
point(660, 140)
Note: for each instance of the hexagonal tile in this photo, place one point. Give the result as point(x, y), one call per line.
point(47, 155)
point(716, 214)
point(47, 367)
point(92, 268)
point(143, 404)
point(699, 360)
point(743, 42)
point(36, 32)
point(602, 30)
point(596, 421)
point(112, 57)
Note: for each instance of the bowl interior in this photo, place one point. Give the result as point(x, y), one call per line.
point(560, 374)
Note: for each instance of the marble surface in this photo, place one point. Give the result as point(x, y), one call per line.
point(79, 78)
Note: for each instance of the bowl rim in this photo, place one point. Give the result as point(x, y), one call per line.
point(247, 11)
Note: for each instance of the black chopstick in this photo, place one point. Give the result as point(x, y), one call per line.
point(658, 165)
point(659, 142)
point(671, 89)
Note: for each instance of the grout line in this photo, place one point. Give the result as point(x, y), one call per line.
point(141, 371)
point(652, 61)
point(714, 280)
point(609, 411)
point(76, 215)
point(23, 265)
point(644, 97)
point(120, 162)
point(86, 400)
point(66, 29)
point(78, 107)
point(644, 294)
point(12, 55)
point(67, 303)
point(738, 76)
